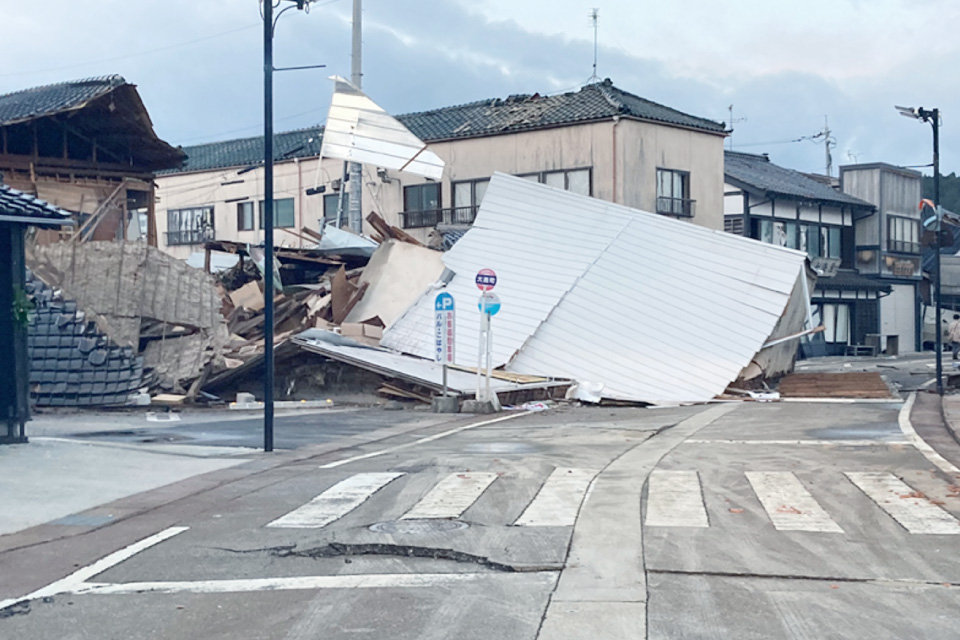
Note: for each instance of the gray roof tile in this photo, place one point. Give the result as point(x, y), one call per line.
point(482, 118)
point(54, 98)
point(754, 172)
point(16, 204)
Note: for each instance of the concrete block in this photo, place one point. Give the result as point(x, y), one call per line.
point(246, 398)
point(445, 404)
point(478, 406)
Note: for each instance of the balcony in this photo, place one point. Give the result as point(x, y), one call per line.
point(432, 217)
point(683, 207)
point(188, 236)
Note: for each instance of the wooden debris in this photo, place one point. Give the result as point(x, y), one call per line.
point(835, 385)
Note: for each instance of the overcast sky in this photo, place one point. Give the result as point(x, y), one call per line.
point(782, 65)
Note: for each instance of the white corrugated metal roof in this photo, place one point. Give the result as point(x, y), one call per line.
point(358, 130)
point(657, 310)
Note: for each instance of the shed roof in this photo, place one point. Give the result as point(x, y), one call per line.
point(655, 309)
point(845, 280)
point(756, 173)
point(112, 114)
point(16, 206)
point(494, 116)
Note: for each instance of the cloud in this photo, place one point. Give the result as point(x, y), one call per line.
point(783, 70)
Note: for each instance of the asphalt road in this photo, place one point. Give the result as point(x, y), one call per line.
point(733, 521)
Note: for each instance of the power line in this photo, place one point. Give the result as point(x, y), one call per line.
point(132, 55)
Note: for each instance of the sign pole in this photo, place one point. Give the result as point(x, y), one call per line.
point(484, 323)
point(487, 395)
point(444, 380)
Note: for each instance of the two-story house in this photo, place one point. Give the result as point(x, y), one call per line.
point(600, 141)
point(88, 147)
point(784, 207)
point(888, 247)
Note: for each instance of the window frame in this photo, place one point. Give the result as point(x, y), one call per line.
point(276, 213)
point(541, 177)
point(895, 242)
point(332, 217)
point(203, 227)
point(241, 218)
point(666, 203)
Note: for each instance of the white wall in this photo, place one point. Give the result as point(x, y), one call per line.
point(898, 316)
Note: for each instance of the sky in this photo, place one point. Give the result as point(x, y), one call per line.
point(783, 66)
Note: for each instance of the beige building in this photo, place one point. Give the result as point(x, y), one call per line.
point(599, 141)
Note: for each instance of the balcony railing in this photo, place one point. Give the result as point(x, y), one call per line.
point(433, 217)
point(675, 206)
point(189, 236)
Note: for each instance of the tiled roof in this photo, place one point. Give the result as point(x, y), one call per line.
point(525, 112)
point(482, 118)
point(54, 98)
point(757, 173)
point(248, 152)
point(22, 207)
point(851, 281)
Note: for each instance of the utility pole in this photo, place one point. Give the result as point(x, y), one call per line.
point(268, 370)
point(356, 169)
point(826, 146)
point(594, 17)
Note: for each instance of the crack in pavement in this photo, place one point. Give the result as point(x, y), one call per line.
point(345, 550)
point(805, 578)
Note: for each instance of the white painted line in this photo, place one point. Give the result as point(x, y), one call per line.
point(675, 499)
point(83, 574)
point(558, 501)
point(335, 502)
point(452, 496)
point(788, 504)
point(813, 443)
point(908, 431)
point(362, 581)
point(436, 436)
point(913, 511)
point(844, 400)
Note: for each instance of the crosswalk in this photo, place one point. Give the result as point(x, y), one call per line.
point(556, 504)
point(675, 499)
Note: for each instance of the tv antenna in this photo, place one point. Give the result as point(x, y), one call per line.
point(594, 16)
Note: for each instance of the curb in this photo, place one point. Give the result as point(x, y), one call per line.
point(951, 426)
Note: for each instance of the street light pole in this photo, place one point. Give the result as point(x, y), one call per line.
point(267, 223)
point(933, 117)
point(268, 288)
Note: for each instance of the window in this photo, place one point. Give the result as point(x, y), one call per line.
point(189, 226)
point(467, 196)
point(331, 205)
point(283, 216)
point(673, 193)
point(902, 235)
point(244, 216)
point(422, 197)
point(836, 322)
point(421, 206)
point(574, 180)
point(819, 241)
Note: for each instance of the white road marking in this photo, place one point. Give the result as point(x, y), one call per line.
point(452, 496)
point(788, 504)
point(80, 576)
point(436, 436)
point(558, 501)
point(913, 511)
point(335, 502)
point(821, 443)
point(675, 499)
point(362, 581)
point(908, 431)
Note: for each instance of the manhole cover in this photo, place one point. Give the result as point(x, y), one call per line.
point(415, 527)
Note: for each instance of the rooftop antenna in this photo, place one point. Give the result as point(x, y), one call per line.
point(732, 122)
point(829, 142)
point(594, 15)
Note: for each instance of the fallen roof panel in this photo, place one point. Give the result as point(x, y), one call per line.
point(655, 309)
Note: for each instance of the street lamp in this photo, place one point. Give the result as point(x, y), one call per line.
point(269, 25)
point(933, 117)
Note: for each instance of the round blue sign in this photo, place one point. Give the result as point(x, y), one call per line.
point(489, 303)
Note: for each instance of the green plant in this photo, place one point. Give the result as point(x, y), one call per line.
point(22, 306)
